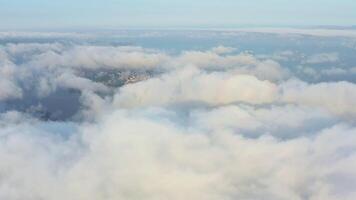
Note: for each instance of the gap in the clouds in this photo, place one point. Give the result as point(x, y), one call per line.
point(61, 105)
point(64, 104)
point(118, 77)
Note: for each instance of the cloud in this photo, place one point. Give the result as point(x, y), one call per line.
point(243, 63)
point(210, 59)
point(285, 121)
point(130, 155)
point(79, 83)
point(95, 57)
point(9, 89)
point(150, 124)
point(217, 88)
point(192, 85)
point(323, 58)
point(222, 49)
point(60, 65)
point(337, 97)
point(337, 71)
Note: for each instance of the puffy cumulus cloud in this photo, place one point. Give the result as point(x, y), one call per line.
point(210, 59)
point(43, 68)
point(214, 124)
point(266, 70)
point(337, 97)
point(244, 63)
point(9, 89)
point(144, 154)
point(192, 85)
point(10, 118)
point(285, 121)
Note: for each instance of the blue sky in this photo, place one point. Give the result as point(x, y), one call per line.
point(17, 14)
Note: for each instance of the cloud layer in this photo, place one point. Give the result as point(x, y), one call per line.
point(149, 124)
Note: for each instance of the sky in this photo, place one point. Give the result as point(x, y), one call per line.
point(27, 14)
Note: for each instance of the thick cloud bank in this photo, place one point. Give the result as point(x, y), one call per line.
point(104, 122)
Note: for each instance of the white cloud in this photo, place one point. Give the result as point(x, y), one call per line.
point(209, 125)
point(268, 70)
point(9, 89)
point(337, 97)
point(130, 155)
point(243, 63)
point(193, 85)
point(281, 121)
point(213, 60)
point(222, 49)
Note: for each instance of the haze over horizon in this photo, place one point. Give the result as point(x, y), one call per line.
point(18, 14)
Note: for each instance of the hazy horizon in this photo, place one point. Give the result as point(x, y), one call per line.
point(18, 14)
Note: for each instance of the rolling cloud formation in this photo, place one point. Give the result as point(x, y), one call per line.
point(95, 122)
